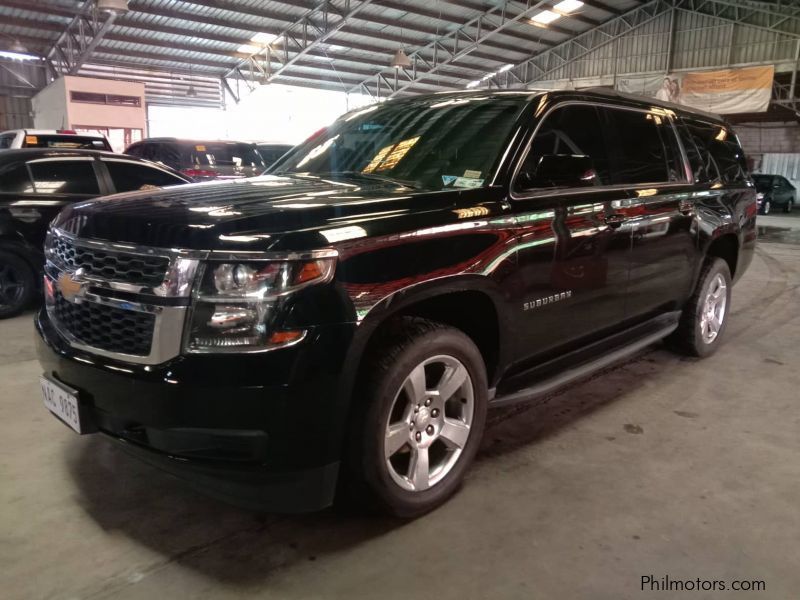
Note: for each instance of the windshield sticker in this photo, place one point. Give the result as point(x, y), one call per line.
point(31, 139)
point(472, 174)
point(200, 148)
point(448, 179)
point(467, 182)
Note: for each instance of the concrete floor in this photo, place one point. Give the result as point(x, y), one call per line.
point(662, 466)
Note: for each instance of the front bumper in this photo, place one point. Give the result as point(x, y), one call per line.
point(260, 430)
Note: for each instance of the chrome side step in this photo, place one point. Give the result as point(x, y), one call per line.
point(551, 384)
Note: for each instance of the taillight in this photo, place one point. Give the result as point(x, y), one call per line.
point(198, 173)
point(70, 131)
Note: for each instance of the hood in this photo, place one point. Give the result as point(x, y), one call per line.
point(259, 213)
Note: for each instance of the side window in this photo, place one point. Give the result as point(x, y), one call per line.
point(720, 150)
point(5, 141)
point(642, 148)
point(128, 176)
point(696, 160)
point(14, 179)
point(64, 177)
point(568, 151)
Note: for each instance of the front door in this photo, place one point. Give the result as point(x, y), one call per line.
point(574, 242)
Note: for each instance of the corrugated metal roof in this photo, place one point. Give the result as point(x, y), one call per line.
point(202, 38)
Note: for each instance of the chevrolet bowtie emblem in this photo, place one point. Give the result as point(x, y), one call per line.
point(70, 288)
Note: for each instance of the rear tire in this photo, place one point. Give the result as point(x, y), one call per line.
point(789, 206)
point(705, 316)
point(17, 284)
point(419, 420)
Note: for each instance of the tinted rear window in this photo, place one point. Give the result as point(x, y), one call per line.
point(210, 154)
point(64, 177)
point(128, 176)
point(65, 141)
point(720, 151)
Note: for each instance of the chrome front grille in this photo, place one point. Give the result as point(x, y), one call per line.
point(118, 300)
point(148, 271)
point(106, 327)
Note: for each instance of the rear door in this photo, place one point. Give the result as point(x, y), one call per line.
point(34, 193)
point(785, 189)
point(646, 158)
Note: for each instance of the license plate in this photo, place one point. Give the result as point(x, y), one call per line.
point(62, 402)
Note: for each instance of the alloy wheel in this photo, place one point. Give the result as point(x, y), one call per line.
point(713, 311)
point(429, 423)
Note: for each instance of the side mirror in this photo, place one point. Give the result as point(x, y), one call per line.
point(561, 170)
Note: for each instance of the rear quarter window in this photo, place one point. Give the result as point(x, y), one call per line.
point(720, 152)
point(130, 176)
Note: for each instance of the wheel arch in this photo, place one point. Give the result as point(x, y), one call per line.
point(471, 303)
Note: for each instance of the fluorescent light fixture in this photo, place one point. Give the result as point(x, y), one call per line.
point(473, 84)
point(17, 55)
point(265, 38)
point(545, 17)
point(257, 43)
point(505, 68)
point(567, 6)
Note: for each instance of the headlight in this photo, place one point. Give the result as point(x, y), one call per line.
point(235, 303)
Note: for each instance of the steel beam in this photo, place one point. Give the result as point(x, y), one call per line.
point(80, 38)
point(539, 66)
point(298, 39)
point(444, 50)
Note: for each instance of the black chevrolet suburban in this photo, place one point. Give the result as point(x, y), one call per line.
point(340, 326)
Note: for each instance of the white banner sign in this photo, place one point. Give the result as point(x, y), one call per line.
point(722, 92)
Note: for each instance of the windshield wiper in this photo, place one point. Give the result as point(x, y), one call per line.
point(371, 176)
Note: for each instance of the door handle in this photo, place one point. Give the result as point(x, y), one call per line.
point(615, 220)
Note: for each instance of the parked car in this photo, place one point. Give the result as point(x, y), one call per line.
point(37, 183)
point(345, 322)
point(272, 152)
point(202, 160)
point(774, 191)
point(52, 138)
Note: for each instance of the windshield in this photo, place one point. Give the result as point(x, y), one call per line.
point(431, 143)
point(212, 154)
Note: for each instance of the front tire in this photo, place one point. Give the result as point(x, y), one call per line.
point(17, 284)
point(424, 409)
point(705, 316)
point(766, 208)
point(789, 206)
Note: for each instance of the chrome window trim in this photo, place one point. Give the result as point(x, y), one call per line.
point(544, 192)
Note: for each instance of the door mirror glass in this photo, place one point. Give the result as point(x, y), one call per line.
point(560, 170)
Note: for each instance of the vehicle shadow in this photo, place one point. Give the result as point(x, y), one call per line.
point(241, 547)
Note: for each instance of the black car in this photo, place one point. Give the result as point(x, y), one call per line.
point(272, 152)
point(774, 191)
point(35, 184)
point(343, 324)
point(202, 160)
